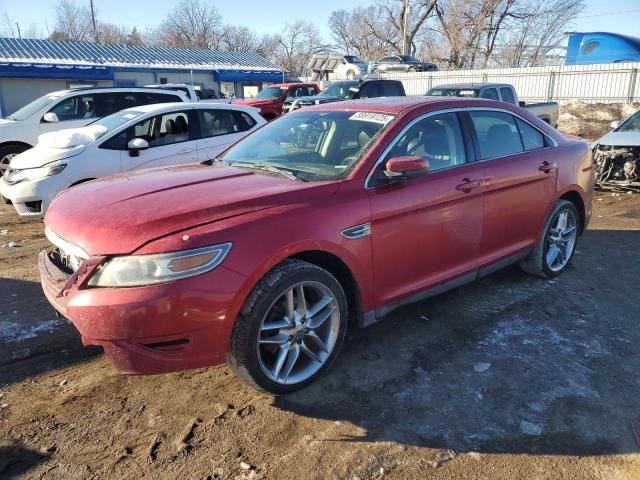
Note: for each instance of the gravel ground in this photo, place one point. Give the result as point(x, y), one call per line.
point(511, 377)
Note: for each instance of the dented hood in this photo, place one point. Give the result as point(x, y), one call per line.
point(621, 139)
point(118, 214)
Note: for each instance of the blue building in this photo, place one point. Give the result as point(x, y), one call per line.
point(30, 68)
point(601, 47)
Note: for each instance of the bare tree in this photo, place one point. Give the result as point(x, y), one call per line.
point(72, 22)
point(379, 29)
point(8, 28)
point(191, 24)
point(292, 48)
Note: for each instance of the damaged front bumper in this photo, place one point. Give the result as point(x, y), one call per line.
point(617, 164)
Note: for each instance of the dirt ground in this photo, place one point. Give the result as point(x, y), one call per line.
point(512, 377)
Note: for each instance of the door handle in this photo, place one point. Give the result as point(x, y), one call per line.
point(467, 185)
point(547, 167)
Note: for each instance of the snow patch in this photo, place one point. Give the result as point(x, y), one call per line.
point(71, 137)
point(14, 332)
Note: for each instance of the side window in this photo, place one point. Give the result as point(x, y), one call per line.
point(532, 138)
point(245, 121)
point(117, 142)
point(497, 134)
point(75, 108)
point(489, 93)
point(311, 91)
point(390, 89)
point(437, 138)
point(144, 98)
point(369, 90)
point(217, 122)
point(167, 129)
point(108, 103)
point(507, 95)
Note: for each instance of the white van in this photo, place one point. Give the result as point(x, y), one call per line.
point(141, 137)
point(71, 109)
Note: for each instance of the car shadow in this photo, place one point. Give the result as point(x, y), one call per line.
point(32, 339)
point(509, 364)
point(16, 461)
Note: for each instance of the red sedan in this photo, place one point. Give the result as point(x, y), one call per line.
point(335, 212)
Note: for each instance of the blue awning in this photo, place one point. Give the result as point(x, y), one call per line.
point(65, 72)
point(258, 76)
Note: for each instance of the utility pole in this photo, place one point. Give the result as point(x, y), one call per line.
point(18, 27)
point(404, 27)
point(93, 20)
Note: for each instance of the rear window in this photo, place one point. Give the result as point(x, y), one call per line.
point(507, 95)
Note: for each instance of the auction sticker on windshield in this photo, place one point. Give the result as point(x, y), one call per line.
point(372, 117)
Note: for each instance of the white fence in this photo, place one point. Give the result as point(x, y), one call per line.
point(610, 83)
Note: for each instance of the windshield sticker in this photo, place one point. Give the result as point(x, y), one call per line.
point(372, 117)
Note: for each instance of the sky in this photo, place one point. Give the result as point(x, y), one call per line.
point(269, 16)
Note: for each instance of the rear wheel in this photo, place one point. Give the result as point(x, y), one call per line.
point(412, 69)
point(290, 329)
point(557, 244)
point(351, 74)
point(7, 153)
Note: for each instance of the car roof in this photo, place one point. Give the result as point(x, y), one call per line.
point(161, 107)
point(471, 86)
point(397, 105)
point(293, 84)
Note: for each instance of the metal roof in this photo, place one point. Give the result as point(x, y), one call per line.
point(128, 56)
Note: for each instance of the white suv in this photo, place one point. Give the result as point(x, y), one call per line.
point(350, 67)
point(141, 137)
point(71, 109)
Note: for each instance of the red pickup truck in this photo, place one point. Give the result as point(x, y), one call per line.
point(271, 99)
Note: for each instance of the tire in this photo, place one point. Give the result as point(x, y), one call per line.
point(6, 153)
point(350, 74)
point(412, 70)
point(538, 262)
point(257, 351)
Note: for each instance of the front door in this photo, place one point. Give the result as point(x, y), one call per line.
point(219, 128)
point(426, 231)
point(72, 112)
point(520, 182)
point(171, 140)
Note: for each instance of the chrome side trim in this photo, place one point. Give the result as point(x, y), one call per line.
point(357, 231)
point(64, 245)
point(452, 110)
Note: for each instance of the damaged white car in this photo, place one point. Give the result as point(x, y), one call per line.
point(139, 137)
point(617, 154)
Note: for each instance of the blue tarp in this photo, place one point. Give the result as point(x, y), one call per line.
point(67, 72)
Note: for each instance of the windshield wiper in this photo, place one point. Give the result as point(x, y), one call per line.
point(284, 172)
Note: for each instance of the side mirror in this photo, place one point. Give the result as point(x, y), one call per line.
point(615, 124)
point(135, 145)
point(50, 117)
point(403, 168)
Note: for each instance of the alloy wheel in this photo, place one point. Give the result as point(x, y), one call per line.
point(561, 240)
point(298, 333)
point(5, 161)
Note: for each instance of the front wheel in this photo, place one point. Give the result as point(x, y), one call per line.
point(290, 329)
point(557, 244)
point(6, 155)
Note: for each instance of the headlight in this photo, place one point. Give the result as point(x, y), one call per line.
point(16, 176)
point(139, 270)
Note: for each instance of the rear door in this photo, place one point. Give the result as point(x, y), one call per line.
point(171, 137)
point(427, 231)
point(520, 182)
point(219, 128)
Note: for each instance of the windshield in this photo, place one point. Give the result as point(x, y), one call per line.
point(452, 92)
point(270, 93)
point(312, 145)
point(116, 120)
point(353, 59)
point(631, 124)
point(339, 89)
point(32, 108)
point(408, 58)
